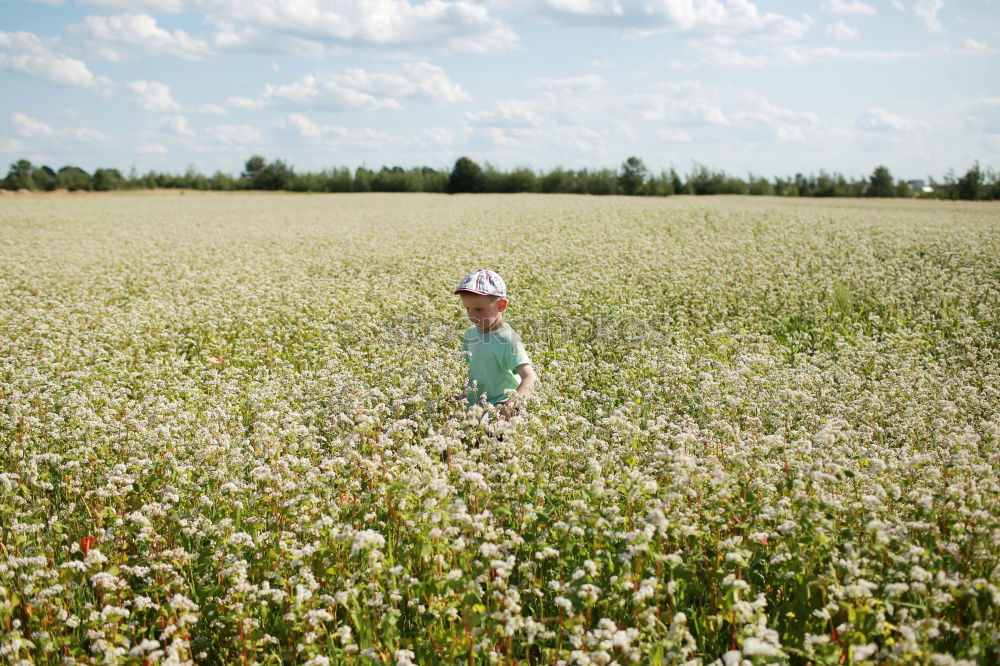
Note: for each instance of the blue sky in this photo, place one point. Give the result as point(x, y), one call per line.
point(768, 87)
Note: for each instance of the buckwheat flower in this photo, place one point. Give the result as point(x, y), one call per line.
point(732, 658)
point(752, 646)
point(182, 603)
point(589, 592)
point(94, 557)
point(366, 539)
point(111, 612)
point(318, 660)
point(860, 589)
point(105, 581)
point(860, 653)
point(241, 539)
point(146, 645)
point(738, 557)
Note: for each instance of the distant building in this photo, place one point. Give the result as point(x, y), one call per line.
point(918, 185)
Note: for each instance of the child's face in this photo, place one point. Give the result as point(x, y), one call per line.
point(483, 311)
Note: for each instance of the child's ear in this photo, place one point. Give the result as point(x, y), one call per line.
point(501, 305)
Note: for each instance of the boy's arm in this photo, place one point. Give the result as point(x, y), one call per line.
point(528, 379)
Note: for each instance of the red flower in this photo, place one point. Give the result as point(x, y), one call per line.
point(86, 543)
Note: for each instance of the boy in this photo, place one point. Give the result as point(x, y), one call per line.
point(498, 363)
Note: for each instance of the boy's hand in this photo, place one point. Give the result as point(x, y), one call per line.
point(509, 406)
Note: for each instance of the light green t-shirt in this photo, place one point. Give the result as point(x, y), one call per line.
point(493, 359)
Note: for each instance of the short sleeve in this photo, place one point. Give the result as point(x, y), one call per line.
point(516, 353)
point(465, 348)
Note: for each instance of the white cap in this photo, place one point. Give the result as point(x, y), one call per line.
point(484, 282)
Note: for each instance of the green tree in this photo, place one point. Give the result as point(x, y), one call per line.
point(20, 176)
point(557, 181)
point(252, 167)
point(44, 179)
point(274, 176)
point(108, 179)
point(969, 185)
point(73, 178)
point(390, 180)
point(880, 183)
point(632, 176)
point(521, 179)
point(466, 176)
point(362, 179)
point(600, 181)
point(337, 180)
point(759, 186)
point(675, 182)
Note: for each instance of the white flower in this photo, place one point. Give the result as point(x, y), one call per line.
point(860, 653)
point(367, 539)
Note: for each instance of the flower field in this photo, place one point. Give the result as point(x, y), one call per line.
point(766, 431)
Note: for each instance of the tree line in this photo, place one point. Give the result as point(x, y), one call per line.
point(467, 176)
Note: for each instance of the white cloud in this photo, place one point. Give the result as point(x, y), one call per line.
point(842, 31)
point(26, 53)
point(675, 136)
point(461, 25)
point(759, 109)
point(984, 116)
point(977, 46)
point(848, 7)
point(435, 136)
point(879, 120)
point(303, 125)
point(709, 19)
point(27, 127)
point(786, 125)
point(152, 96)
point(326, 93)
point(585, 83)
point(130, 35)
point(793, 55)
point(8, 145)
point(145, 6)
point(363, 90)
point(684, 103)
point(231, 37)
point(151, 149)
point(508, 113)
point(212, 110)
point(245, 103)
point(234, 134)
point(677, 109)
point(175, 124)
point(421, 80)
point(926, 11)
point(84, 134)
point(332, 136)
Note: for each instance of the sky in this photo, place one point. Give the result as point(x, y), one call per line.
point(771, 88)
